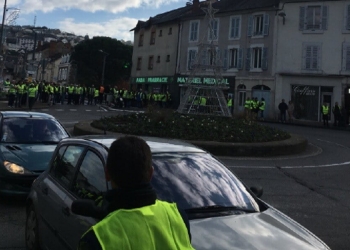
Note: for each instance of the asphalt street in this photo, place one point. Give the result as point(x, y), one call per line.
point(312, 188)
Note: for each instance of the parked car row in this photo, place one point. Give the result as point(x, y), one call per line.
point(69, 178)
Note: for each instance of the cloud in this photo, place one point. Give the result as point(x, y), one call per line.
point(118, 28)
point(113, 6)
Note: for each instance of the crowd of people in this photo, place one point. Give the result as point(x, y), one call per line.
point(25, 93)
point(253, 107)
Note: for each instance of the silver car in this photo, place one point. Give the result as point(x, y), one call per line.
point(223, 212)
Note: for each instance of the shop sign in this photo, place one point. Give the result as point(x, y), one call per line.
point(151, 79)
point(304, 90)
point(201, 80)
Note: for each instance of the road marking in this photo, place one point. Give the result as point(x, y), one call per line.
point(72, 110)
point(68, 123)
point(290, 167)
point(44, 109)
point(88, 110)
point(59, 109)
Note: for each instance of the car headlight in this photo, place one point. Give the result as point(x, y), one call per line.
point(14, 168)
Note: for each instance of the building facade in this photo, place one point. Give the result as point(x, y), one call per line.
point(313, 56)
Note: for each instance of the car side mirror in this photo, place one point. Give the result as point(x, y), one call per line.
point(86, 207)
point(258, 191)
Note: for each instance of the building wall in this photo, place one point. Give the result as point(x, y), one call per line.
point(290, 54)
point(248, 78)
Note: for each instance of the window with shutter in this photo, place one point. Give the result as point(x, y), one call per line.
point(213, 30)
point(256, 58)
point(248, 59)
point(258, 25)
point(313, 18)
point(346, 57)
point(233, 57)
point(194, 25)
point(311, 56)
point(191, 58)
point(235, 23)
point(347, 24)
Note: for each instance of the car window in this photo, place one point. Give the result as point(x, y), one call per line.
point(31, 130)
point(90, 181)
point(198, 180)
point(65, 162)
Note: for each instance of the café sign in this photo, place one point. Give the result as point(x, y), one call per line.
point(304, 90)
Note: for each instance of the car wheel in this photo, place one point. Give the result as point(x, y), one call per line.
point(32, 230)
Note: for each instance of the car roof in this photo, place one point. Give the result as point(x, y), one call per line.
point(157, 145)
point(8, 114)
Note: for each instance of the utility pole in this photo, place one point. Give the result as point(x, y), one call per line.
point(1, 43)
point(2, 27)
point(104, 64)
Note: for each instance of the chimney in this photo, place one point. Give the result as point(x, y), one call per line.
point(195, 5)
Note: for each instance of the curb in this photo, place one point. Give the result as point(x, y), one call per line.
point(294, 145)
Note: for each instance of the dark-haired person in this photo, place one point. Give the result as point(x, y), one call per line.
point(136, 218)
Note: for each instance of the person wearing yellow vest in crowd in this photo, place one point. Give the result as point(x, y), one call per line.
point(325, 114)
point(7, 83)
point(11, 95)
point(135, 218)
point(70, 91)
point(262, 108)
point(247, 107)
point(32, 92)
point(202, 104)
point(230, 104)
point(96, 95)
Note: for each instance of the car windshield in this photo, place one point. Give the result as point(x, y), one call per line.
point(197, 180)
point(31, 130)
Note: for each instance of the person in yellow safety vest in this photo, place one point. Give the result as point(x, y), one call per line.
point(32, 92)
point(91, 93)
point(19, 94)
point(70, 93)
point(230, 104)
point(262, 108)
point(7, 82)
point(11, 95)
point(96, 95)
point(202, 104)
point(135, 218)
point(325, 113)
point(247, 105)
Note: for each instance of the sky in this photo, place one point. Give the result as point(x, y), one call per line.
point(111, 18)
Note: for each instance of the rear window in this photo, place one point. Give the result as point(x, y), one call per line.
point(31, 130)
point(198, 180)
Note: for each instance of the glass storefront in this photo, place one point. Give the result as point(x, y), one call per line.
point(306, 101)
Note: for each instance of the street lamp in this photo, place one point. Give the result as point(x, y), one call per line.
point(104, 64)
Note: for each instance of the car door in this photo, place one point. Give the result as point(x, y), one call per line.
point(54, 192)
point(89, 183)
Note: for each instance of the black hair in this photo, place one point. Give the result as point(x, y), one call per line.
point(129, 161)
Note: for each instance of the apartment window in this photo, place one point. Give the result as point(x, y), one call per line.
point(170, 31)
point(256, 58)
point(191, 57)
point(150, 62)
point(235, 27)
point(158, 59)
point(160, 32)
point(139, 62)
point(141, 40)
point(258, 25)
point(168, 58)
point(346, 57)
point(194, 25)
point(213, 30)
point(235, 58)
point(212, 56)
point(153, 37)
point(311, 56)
point(313, 18)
